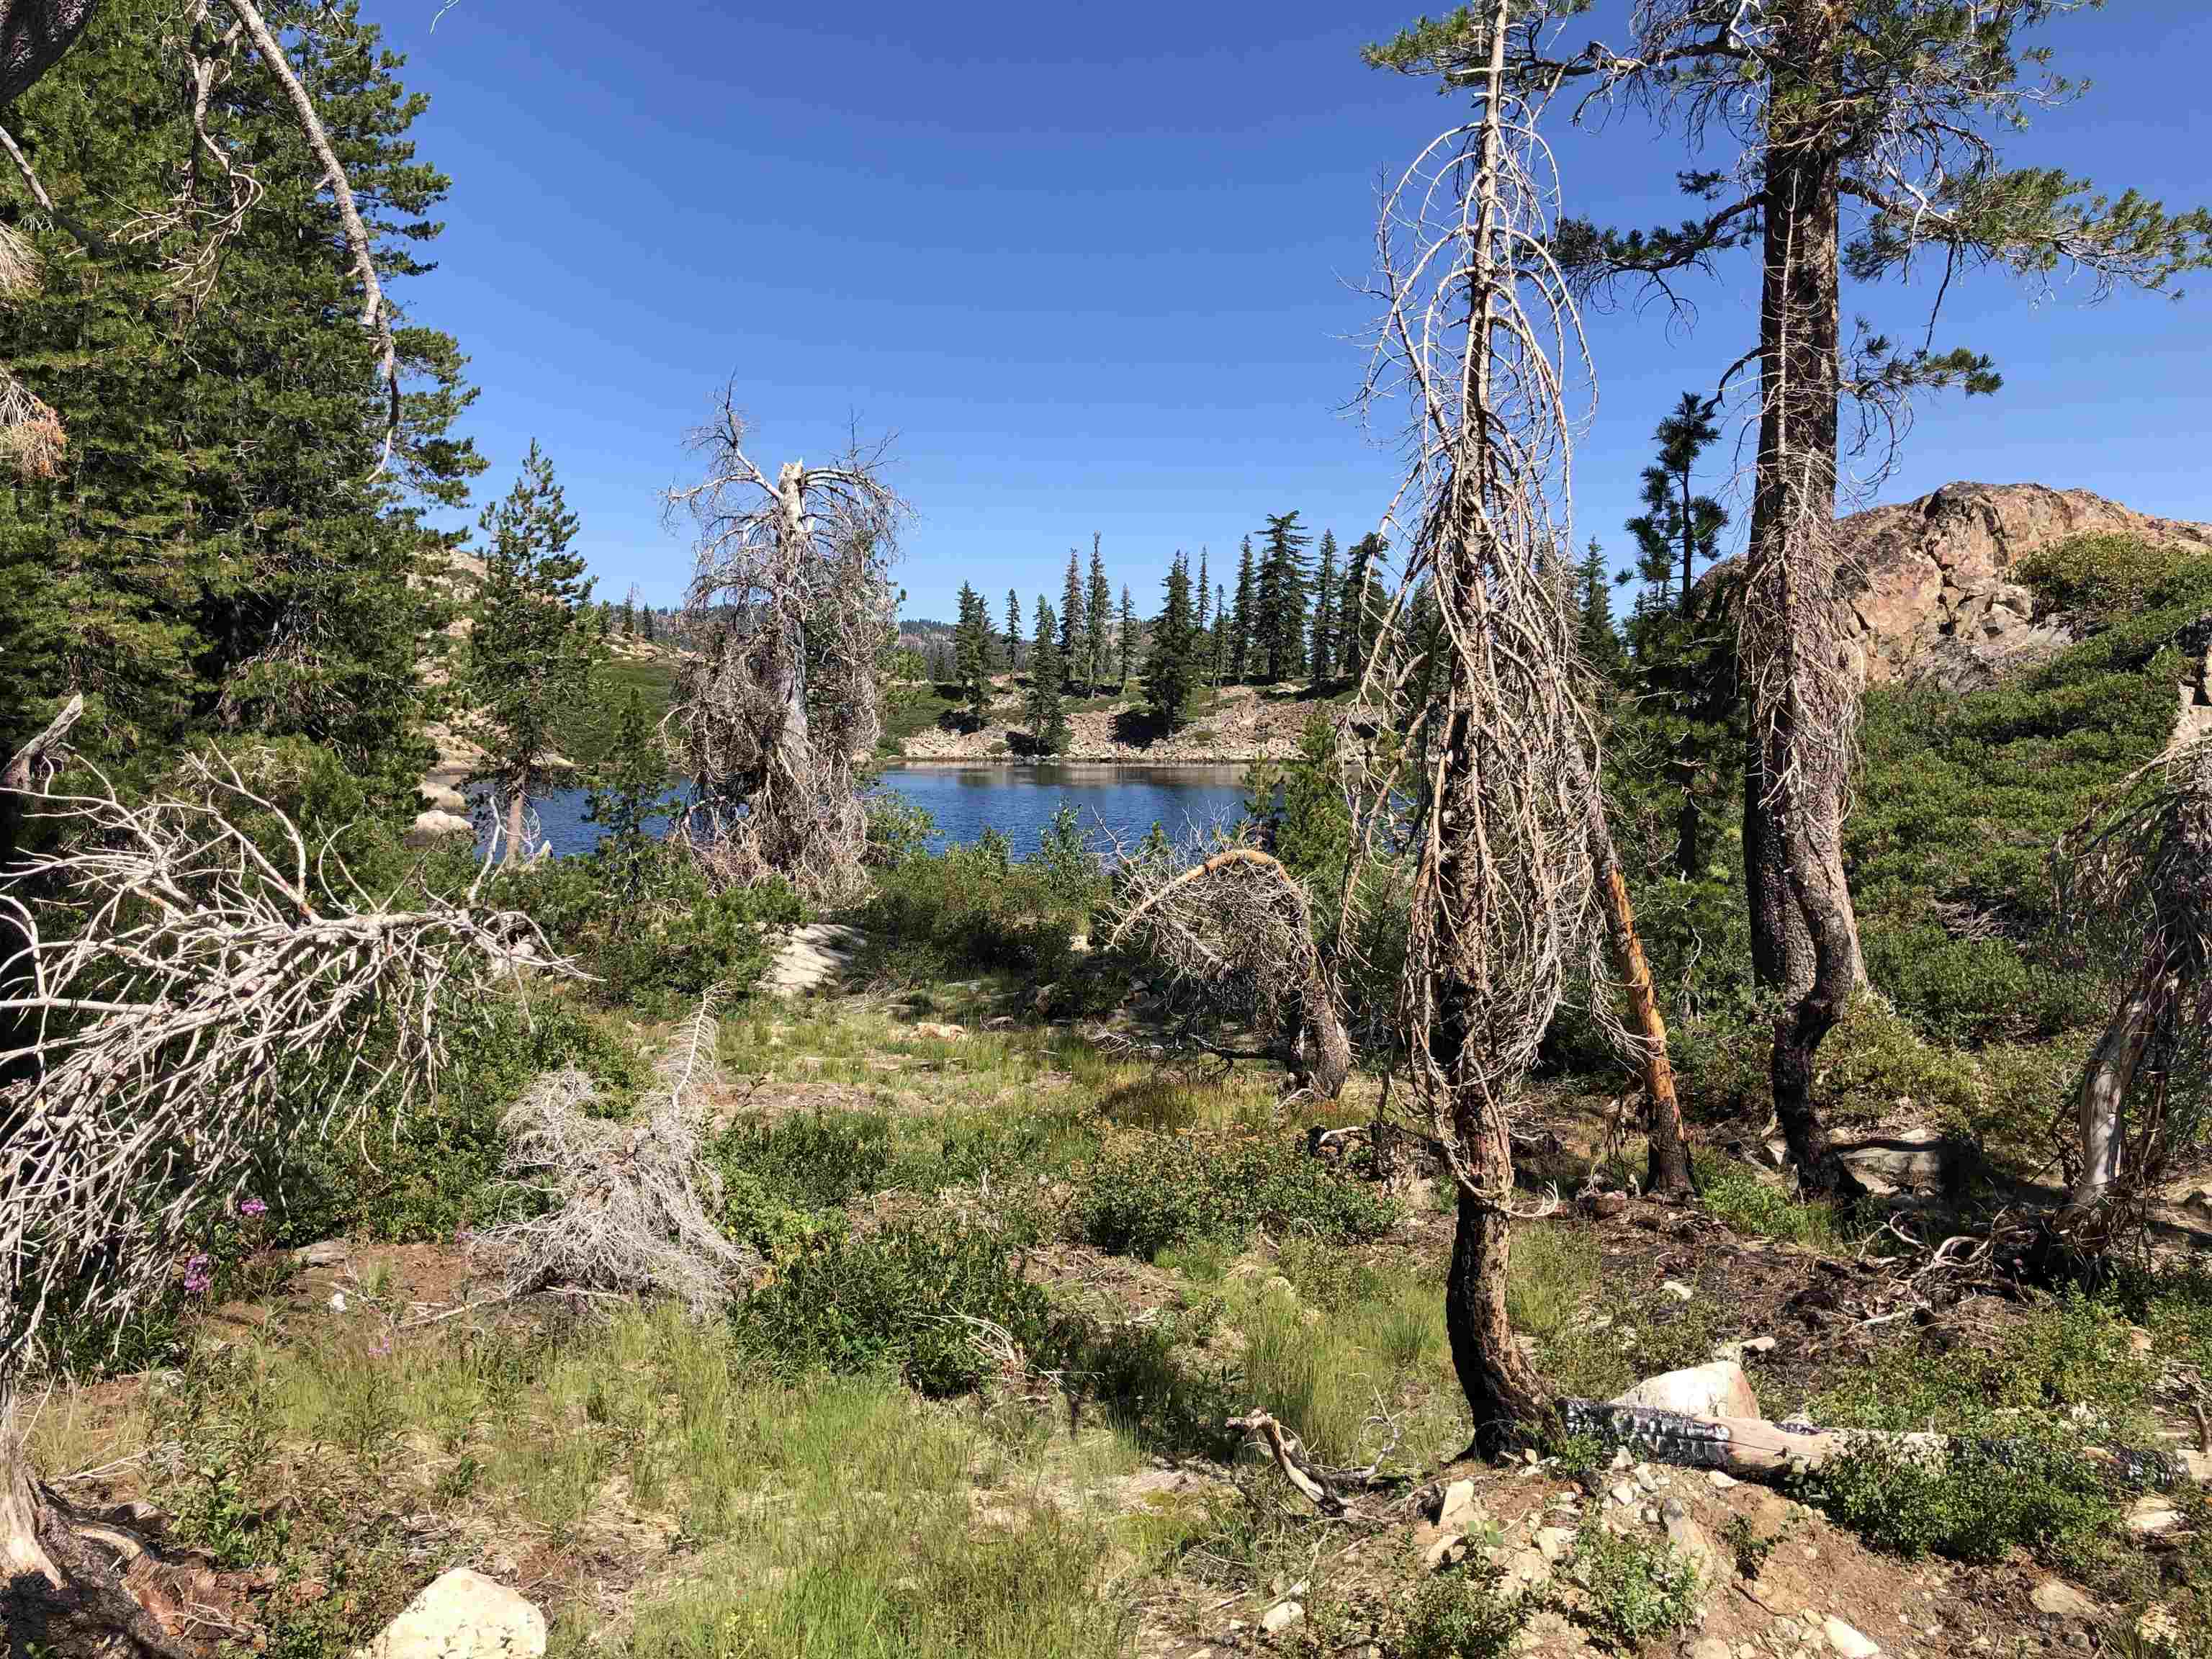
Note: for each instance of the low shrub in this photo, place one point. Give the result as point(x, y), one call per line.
point(1458, 1615)
point(1735, 1197)
point(1154, 1190)
point(2032, 1487)
point(913, 1299)
point(1636, 1588)
point(935, 915)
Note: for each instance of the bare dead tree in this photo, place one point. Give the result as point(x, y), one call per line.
point(184, 998)
point(1479, 334)
point(1238, 927)
point(2137, 882)
point(629, 1204)
point(789, 609)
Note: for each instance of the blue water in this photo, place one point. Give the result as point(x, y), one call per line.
point(1112, 802)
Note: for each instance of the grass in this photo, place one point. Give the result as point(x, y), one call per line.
point(1733, 1194)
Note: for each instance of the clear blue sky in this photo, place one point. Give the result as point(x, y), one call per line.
point(1091, 263)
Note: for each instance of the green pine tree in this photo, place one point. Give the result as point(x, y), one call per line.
point(1359, 607)
point(1240, 632)
point(971, 646)
point(1047, 718)
point(1128, 632)
point(1679, 529)
point(1071, 619)
point(1013, 630)
point(1323, 656)
point(529, 651)
point(1597, 639)
point(1097, 623)
point(1171, 670)
point(1279, 622)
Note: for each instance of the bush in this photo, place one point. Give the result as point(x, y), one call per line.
point(1637, 1587)
point(902, 1300)
point(1157, 1190)
point(1459, 1616)
point(936, 915)
point(1975, 1502)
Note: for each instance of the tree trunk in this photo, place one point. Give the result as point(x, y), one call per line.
point(1805, 938)
point(1504, 1395)
point(2112, 1074)
point(22, 1551)
point(518, 804)
point(1667, 1168)
point(34, 35)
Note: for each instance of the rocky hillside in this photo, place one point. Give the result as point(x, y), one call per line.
point(1938, 600)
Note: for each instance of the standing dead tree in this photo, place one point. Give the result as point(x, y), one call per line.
point(2138, 883)
point(1481, 335)
point(1239, 926)
point(788, 610)
point(185, 998)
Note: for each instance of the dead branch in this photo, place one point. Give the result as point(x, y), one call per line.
point(628, 1206)
point(788, 608)
point(1237, 928)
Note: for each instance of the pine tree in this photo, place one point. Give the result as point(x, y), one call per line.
point(1171, 670)
point(1071, 619)
point(1240, 637)
point(971, 646)
point(1597, 639)
point(1048, 720)
point(1324, 658)
point(1220, 634)
point(1013, 630)
point(1205, 597)
point(220, 554)
point(629, 613)
point(1097, 623)
point(647, 626)
point(530, 654)
point(1679, 528)
point(1128, 640)
point(1280, 622)
point(1357, 620)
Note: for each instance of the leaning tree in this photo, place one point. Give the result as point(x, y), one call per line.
point(199, 982)
point(1856, 138)
point(790, 608)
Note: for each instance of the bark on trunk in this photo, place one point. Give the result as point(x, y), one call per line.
point(517, 803)
point(34, 35)
point(21, 1552)
point(1504, 1395)
point(1667, 1165)
point(2112, 1074)
point(1805, 938)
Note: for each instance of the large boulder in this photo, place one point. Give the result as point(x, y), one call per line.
point(463, 1615)
point(1939, 599)
point(1717, 1389)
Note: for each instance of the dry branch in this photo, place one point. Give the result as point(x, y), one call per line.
point(1237, 927)
point(630, 1205)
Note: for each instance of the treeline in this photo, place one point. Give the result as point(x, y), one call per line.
point(1296, 615)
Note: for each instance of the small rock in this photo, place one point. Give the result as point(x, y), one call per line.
point(1603, 1207)
point(463, 1615)
point(1624, 1493)
point(434, 825)
point(1529, 1567)
point(1282, 1617)
point(2159, 1627)
point(1445, 1550)
point(1677, 1290)
point(1846, 1641)
point(2151, 1516)
point(1622, 1460)
point(330, 1253)
point(1555, 1543)
point(1720, 1480)
point(1459, 1512)
point(1712, 1648)
point(1645, 1477)
point(338, 1301)
point(1692, 1539)
point(940, 1032)
point(2061, 1600)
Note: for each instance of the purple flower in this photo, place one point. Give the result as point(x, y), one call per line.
point(383, 1346)
point(464, 1236)
point(198, 1277)
point(253, 1207)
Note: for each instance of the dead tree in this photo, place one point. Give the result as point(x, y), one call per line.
point(1239, 928)
point(1479, 334)
point(2138, 884)
point(788, 611)
point(185, 996)
point(629, 1204)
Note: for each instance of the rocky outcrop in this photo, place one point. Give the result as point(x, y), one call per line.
point(463, 1615)
point(1939, 599)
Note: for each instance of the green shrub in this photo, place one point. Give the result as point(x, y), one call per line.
point(1735, 1197)
point(934, 916)
point(1636, 1587)
point(897, 829)
point(1155, 1190)
point(2031, 1487)
point(1458, 1615)
point(902, 1299)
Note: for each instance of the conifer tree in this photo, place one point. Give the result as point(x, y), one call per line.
point(1240, 639)
point(1679, 529)
point(629, 613)
point(1357, 622)
point(647, 628)
point(1280, 624)
point(1098, 622)
point(1171, 670)
point(1048, 718)
point(1013, 630)
point(971, 637)
point(1204, 597)
point(1129, 640)
point(1071, 619)
point(530, 654)
point(1324, 612)
point(1599, 640)
point(1221, 639)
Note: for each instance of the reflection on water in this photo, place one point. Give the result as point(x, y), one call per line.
point(1113, 802)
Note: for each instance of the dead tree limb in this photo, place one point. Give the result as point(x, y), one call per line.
point(1239, 928)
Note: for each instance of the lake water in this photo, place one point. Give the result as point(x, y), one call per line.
point(1113, 802)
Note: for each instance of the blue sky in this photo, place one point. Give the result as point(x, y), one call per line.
point(1097, 267)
